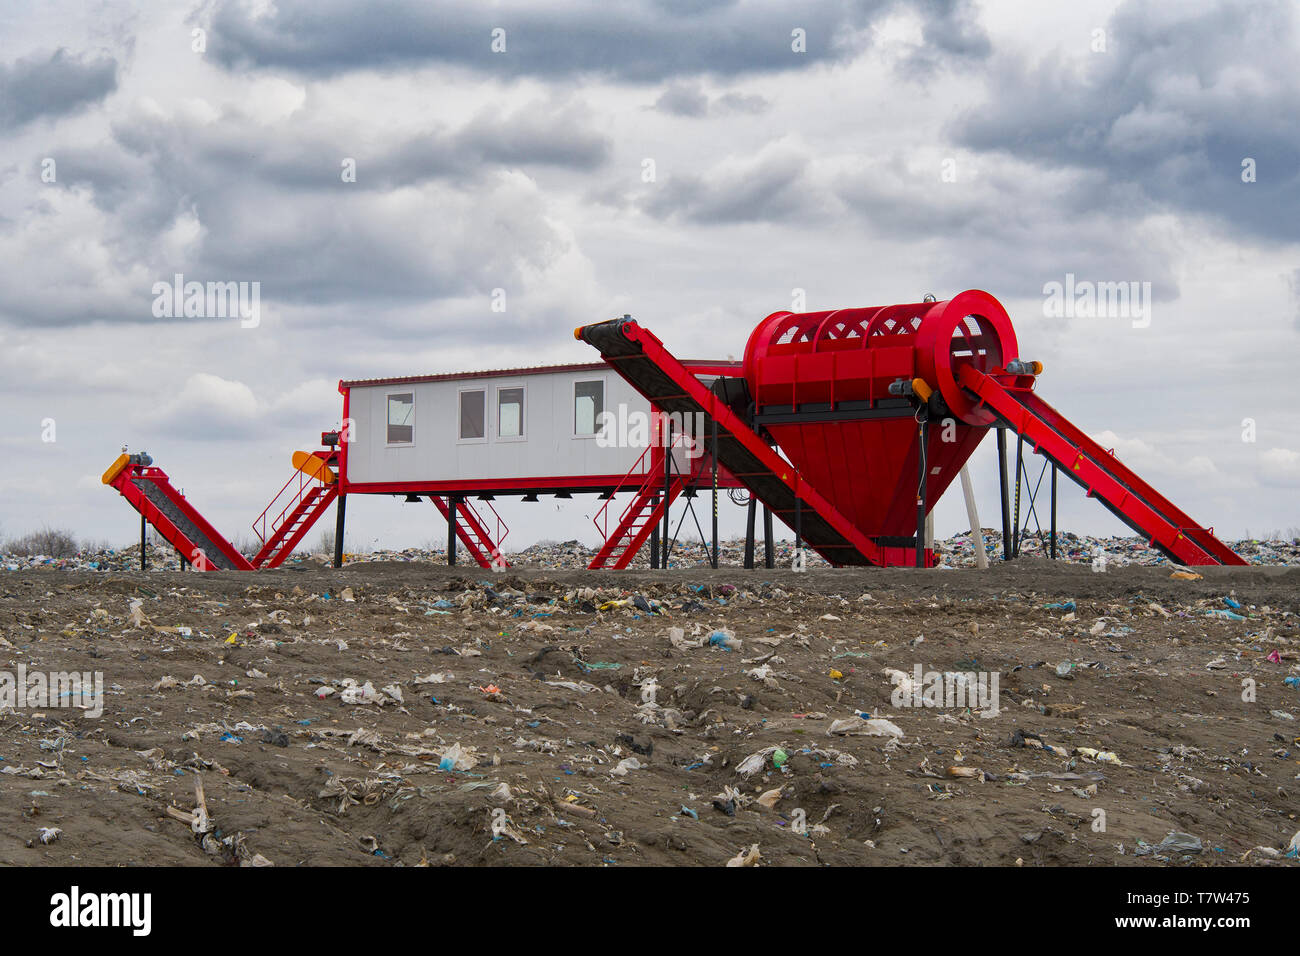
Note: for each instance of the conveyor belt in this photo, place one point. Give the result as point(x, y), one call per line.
point(1100, 473)
point(637, 355)
point(150, 493)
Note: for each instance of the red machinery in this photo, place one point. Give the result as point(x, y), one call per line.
point(279, 528)
point(874, 412)
point(847, 425)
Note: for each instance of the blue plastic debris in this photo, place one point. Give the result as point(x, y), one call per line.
point(1227, 615)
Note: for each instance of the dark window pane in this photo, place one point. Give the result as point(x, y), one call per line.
point(472, 417)
point(401, 418)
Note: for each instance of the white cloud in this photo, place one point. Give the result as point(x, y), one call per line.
point(208, 407)
point(1280, 466)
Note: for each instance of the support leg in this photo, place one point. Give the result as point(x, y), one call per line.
point(144, 554)
point(751, 512)
point(769, 559)
point(972, 515)
point(714, 457)
point(923, 467)
point(1053, 511)
point(1015, 528)
point(340, 519)
point(798, 524)
point(654, 539)
point(1002, 487)
point(666, 536)
point(452, 502)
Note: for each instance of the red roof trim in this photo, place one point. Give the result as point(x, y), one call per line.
point(512, 372)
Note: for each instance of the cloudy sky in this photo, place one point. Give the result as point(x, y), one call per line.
point(865, 151)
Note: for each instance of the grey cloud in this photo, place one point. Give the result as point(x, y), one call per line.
point(636, 40)
point(690, 100)
point(771, 187)
point(742, 103)
point(995, 228)
point(54, 85)
point(1294, 282)
point(433, 216)
point(952, 27)
point(683, 99)
point(1008, 231)
point(547, 134)
point(1173, 108)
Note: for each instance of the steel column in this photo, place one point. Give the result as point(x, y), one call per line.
point(1002, 488)
point(1053, 511)
point(1020, 464)
point(666, 537)
point(769, 559)
point(339, 522)
point(751, 512)
point(452, 502)
point(654, 537)
point(714, 457)
point(923, 467)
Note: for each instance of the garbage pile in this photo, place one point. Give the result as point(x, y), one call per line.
point(959, 550)
point(382, 717)
point(955, 552)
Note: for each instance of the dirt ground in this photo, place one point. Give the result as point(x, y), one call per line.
point(588, 736)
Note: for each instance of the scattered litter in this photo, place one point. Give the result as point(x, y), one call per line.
point(856, 726)
point(748, 857)
point(1175, 842)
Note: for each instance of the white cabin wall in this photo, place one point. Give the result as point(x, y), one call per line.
point(548, 449)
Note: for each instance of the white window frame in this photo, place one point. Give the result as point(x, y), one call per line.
point(486, 429)
point(523, 413)
point(399, 444)
point(573, 406)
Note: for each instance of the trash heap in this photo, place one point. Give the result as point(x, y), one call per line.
point(955, 552)
point(430, 716)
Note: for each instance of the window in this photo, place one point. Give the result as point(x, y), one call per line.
point(401, 418)
point(510, 413)
point(588, 403)
point(473, 415)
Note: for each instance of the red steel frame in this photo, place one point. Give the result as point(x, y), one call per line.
point(1097, 470)
point(306, 499)
point(817, 381)
point(472, 530)
point(191, 550)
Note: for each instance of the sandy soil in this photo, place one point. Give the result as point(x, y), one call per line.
point(594, 739)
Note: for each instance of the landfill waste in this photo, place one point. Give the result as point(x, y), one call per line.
point(1175, 842)
point(874, 727)
point(954, 552)
point(550, 717)
point(725, 639)
point(748, 857)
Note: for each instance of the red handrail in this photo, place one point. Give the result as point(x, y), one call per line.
point(305, 482)
point(651, 476)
